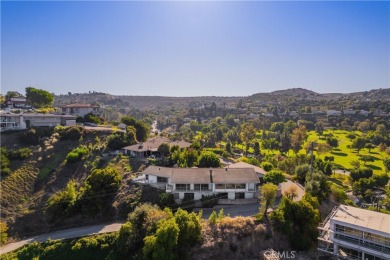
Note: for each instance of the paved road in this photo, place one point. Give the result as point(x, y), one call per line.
point(245, 210)
point(63, 234)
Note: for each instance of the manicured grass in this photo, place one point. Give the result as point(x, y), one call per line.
point(343, 155)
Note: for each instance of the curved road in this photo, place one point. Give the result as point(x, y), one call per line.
point(63, 234)
point(232, 210)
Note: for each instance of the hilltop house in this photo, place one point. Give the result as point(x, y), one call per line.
point(80, 109)
point(149, 148)
point(354, 233)
point(231, 185)
point(18, 102)
point(11, 121)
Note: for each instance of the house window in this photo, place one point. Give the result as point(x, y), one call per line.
point(230, 186)
point(146, 177)
point(240, 186)
point(223, 195)
point(182, 187)
point(201, 187)
point(220, 186)
point(162, 179)
point(240, 195)
point(189, 196)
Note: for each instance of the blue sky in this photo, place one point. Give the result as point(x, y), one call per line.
point(194, 48)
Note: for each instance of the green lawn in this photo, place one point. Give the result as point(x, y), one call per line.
point(342, 154)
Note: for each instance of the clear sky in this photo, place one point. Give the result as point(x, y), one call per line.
point(194, 48)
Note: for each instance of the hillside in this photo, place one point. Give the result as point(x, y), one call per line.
point(25, 192)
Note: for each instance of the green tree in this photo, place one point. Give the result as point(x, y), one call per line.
point(208, 159)
point(62, 203)
point(163, 149)
point(275, 177)
point(189, 228)
point(248, 132)
point(39, 98)
point(386, 163)
point(301, 172)
point(256, 149)
point(299, 220)
point(358, 143)
point(298, 137)
point(162, 244)
point(323, 148)
point(332, 141)
point(268, 194)
point(359, 173)
point(369, 146)
point(317, 186)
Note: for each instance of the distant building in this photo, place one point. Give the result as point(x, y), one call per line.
point(354, 233)
point(80, 109)
point(10, 121)
point(364, 112)
point(349, 112)
point(333, 113)
point(231, 185)
point(18, 102)
point(149, 148)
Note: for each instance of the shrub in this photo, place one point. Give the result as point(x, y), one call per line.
point(76, 154)
point(274, 176)
point(3, 233)
point(20, 154)
point(5, 164)
point(267, 166)
point(209, 201)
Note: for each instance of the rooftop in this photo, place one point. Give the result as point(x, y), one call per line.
point(247, 165)
point(364, 218)
point(202, 175)
point(154, 143)
point(80, 105)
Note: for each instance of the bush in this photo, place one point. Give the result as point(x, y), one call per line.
point(76, 154)
point(274, 176)
point(339, 194)
point(3, 233)
point(267, 166)
point(209, 201)
point(20, 154)
point(69, 132)
point(5, 164)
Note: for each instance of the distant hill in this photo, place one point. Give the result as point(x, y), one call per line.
point(158, 102)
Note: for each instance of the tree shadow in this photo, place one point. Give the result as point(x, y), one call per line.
point(336, 149)
point(374, 167)
point(339, 153)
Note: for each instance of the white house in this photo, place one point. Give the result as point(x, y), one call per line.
point(80, 109)
point(349, 111)
point(232, 185)
point(11, 121)
point(354, 233)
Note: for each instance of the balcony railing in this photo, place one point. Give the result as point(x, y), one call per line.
point(363, 243)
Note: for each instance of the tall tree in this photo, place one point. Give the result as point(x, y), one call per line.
point(298, 137)
point(39, 98)
point(248, 132)
point(268, 194)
